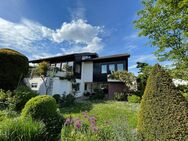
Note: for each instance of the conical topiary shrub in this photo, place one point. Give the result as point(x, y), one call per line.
point(163, 113)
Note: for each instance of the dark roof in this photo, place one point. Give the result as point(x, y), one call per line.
point(64, 58)
point(77, 56)
point(110, 58)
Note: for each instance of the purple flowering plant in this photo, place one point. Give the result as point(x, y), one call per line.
point(85, 127)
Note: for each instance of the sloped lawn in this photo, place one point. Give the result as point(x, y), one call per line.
point(122, 116)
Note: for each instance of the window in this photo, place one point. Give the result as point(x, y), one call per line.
point(34, 85)
point(111, 68)
point(86, 57)
point(104, 69)
point(120, 67)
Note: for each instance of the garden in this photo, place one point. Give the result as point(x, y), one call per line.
point(156, 110)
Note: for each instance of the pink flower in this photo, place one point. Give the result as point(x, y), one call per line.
point(95, 129)
point(68, 121)
point(85, 114)
point(77, 123)
point(92, 120)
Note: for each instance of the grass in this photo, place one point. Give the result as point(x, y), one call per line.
point(121, 115)
point(17, 129)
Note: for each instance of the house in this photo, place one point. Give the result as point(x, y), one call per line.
point(89, 70)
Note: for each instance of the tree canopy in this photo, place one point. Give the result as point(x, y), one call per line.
point(165, 23)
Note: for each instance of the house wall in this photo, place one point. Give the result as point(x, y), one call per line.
point(87, 72)
point(98, 76)
point(115, 87)
point(61, 86)
point(86, 76)
point(40, 85)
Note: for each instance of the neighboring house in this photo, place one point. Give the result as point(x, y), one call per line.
point(90, 70)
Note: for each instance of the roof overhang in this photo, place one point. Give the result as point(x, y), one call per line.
point(63, 58)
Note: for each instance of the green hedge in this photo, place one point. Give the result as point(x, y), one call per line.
point(44, 108)
point(40, 107)
point(13, 67)
point(163, 112)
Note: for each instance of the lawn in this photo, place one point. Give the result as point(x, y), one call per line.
point(122, 116)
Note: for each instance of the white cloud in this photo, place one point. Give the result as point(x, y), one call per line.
point(77, 31)
point(132, 67)
point(19, 36)
point(144, 58)
point(94, 46)
point(31, 38)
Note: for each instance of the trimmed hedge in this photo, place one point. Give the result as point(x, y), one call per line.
point(163, 113)
point(40, 107)
point(44, 108)
point(13, 67)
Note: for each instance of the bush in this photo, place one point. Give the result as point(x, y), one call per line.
point(21, 95)
point(163, 113)
point(6, 114)
point(21, 130)
point(97, 95)
point(57, 98)
point(44, 108)
point(183, 88)
point(186, 96)
point(134, 99)
point(3, 100)
point(67, 100)
point(120, 96)
point(86, 94)
point(13, 67)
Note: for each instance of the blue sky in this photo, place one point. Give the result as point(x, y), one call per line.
point(42, 28)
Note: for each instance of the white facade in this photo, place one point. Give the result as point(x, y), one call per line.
point(58, 86)
point(36, 84)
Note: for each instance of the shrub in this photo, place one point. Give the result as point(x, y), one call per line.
point(86, 94)
point(44, 108)
point(57, 98)
point(183, 88)
point(120, 96)
point(97, 95)
point(163, 113)
point(21, 130)
point(40, 107)
point(3, 100)
point(67, 100)
point(6, 114)
point(186, 96)
point(13, 67)
point(134, 99)
point(21, 95)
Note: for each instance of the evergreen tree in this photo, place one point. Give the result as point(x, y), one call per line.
point(163, 113)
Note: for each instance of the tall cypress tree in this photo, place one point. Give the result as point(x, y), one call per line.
point(163, 113)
